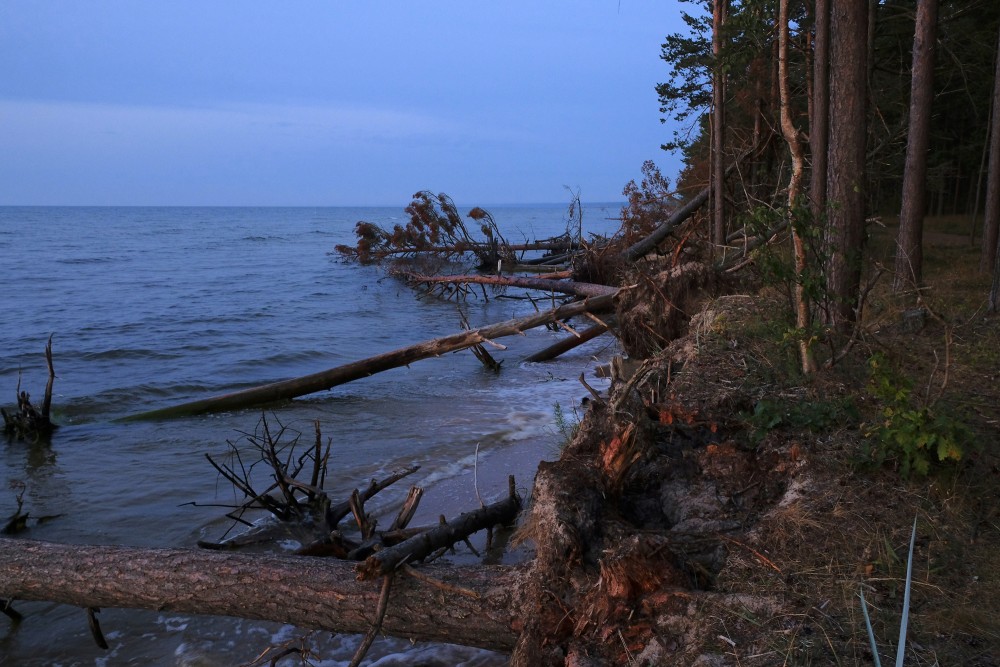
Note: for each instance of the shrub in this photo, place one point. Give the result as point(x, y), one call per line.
point(913, 436)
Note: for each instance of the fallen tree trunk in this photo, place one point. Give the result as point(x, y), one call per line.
point(468, 246)
point(473, 606)
point(569, 343)
point(309, 384)
point(645, 245)
point(640, 248)
point(420, 546)
point(543, 284)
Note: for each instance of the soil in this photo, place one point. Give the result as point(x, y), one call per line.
point(720, 508)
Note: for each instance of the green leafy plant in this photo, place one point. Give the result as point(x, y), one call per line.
point(803, 285)
point(914, 436)
point(815, 416)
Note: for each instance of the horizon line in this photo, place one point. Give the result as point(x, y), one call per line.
point(517, 204)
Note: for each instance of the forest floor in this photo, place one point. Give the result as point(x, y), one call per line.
point(744, 506)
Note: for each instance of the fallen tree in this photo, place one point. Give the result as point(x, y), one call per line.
point(433, 225)
point(572, 341)
point(309, 384)
point(474, 606)
point(537, 283)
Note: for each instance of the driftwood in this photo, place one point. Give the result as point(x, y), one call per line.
point(474, 606)
point(288, 389)
point(29, 423)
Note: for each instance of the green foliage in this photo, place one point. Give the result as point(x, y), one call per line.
point(775, 263)
point(913, 436)
point(820, 416)
point(566, 426)
point(688, 90)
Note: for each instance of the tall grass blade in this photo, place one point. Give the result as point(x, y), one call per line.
point(901, 649)
point(871, 633)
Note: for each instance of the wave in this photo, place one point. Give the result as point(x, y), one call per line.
point(128, 354)
point(90, 260)
point(263, 238)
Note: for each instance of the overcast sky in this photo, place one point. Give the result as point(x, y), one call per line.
point(245, 102)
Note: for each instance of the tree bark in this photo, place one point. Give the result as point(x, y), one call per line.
point(991, 214)
point(846, 158)
point(791, 134)
point(308, 384)
point(473, 606)
point(819, 122)
point(909, 244)
point(718, 126)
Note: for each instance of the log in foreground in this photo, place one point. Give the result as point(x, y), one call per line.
point(309, 384)
point(473, 606)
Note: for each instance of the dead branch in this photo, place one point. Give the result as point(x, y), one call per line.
point(47, 401)
point(29, 423)
point(420, 546)
point(337, 512)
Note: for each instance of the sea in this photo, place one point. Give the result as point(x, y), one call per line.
point(150, 307)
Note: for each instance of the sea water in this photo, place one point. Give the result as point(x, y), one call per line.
point(149, 307)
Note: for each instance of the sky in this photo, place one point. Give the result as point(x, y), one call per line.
point(308, 103)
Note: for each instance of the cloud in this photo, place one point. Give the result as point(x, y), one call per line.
point(43, 126)
point(73, 153)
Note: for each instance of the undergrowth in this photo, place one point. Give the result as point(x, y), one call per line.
point(913, 435)
point(566, 426)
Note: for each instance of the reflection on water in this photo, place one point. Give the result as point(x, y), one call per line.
point(150, 307)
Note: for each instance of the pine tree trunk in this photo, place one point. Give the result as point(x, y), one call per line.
point(909, 244)
point(846, 158)
point(819, 122)
point(288, 389)
point(718, 127)
point(991, 215)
